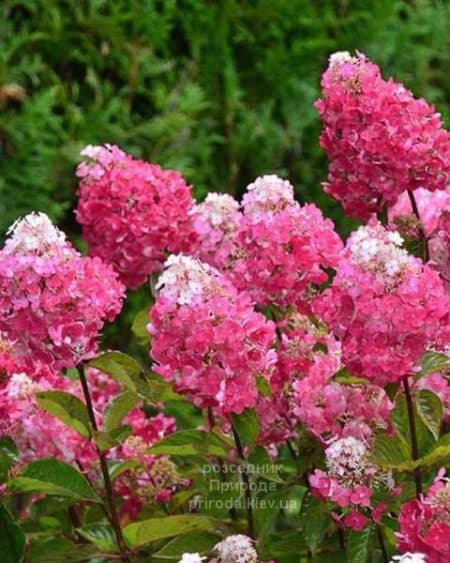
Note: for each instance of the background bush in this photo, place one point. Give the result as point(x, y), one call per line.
point(222, 90)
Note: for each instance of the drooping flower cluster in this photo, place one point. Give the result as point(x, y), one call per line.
point(207, 339)
point(425, 523)
point(385, 306)
point(380, 140)
point(54, 302)
point(236, 549)
point(133, 213)
point(351, 477)
point(284, 248)
point(217, 221)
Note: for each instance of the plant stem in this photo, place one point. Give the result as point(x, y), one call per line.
point(413, 434)
point(246, 481)
point(105, 472)
point(382, 545)
point(426, 251)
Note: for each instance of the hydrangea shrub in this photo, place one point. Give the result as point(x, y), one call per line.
point(292, 399)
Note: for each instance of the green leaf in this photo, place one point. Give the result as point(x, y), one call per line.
point(12, 539)
point(439, 454)
point(117, 468)
point(197, 542)
point(139, 326)
point(120, 367)
point(344, 377)
point(9, 454)
point(247, 427)
point(284, 543)
point(433, 362)
point(61, 549)
point(191, 442)
point(358, 545)
point(53, 477)
point(67, 408)
point(315, 522)
point(117, 409)
point(142, 533)
point(390, 452)
point(263, 386)
point(430, 410)
point(107, 440)
point(101, 535)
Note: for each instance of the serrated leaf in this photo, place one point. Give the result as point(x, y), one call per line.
point(12, 539)
point(67, 408)
point(389, 452)
point(430, 410)
point(53, 477)
point(358, 545)
point(247, 427)
point(120, 367)
point(117, 409)
point(284, 543)
point(101, 535)
point(117, 469)
point(315, 522)
point(142, 533)
point(201, 542)
point(433, 362)
point(191, 442)
point(440, 453)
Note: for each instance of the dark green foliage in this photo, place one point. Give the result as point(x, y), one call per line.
point(222, 90)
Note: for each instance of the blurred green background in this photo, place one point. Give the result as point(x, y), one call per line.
point(221, 90)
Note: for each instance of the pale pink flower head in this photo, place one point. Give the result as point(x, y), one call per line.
point(351, 477)
point(284, 248)
point(425, 523)
point(385, 306)
point(133, 213)
point(34, 234)
point(54, 302)
point(216, 222)
point(409, 558)
point(236, 549)
point(207, 339)
point(380, 140)
point(191, 558)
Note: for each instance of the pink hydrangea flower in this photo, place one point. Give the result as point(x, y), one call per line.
point(133, 213)
point(284, 248)
point(54, 302)
point(385, 306)
point(216, 222)
point(380, 140)
point(425, 523)
point(207, 339)
point(351, 478)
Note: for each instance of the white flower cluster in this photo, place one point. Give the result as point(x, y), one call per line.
point(219, 210)
point(409, 558)
point(184, 278)
point(268, 193)
point(236, 549)
point(378, 250)
point(35, 233)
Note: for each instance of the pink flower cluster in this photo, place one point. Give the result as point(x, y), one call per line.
point(385, 306)
point(425, 523)
point(36, 433)
point(284, 248)
point(207, 339)
point(380, 140)
point(217, 222)
point(133, 213)
point(53, 301)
